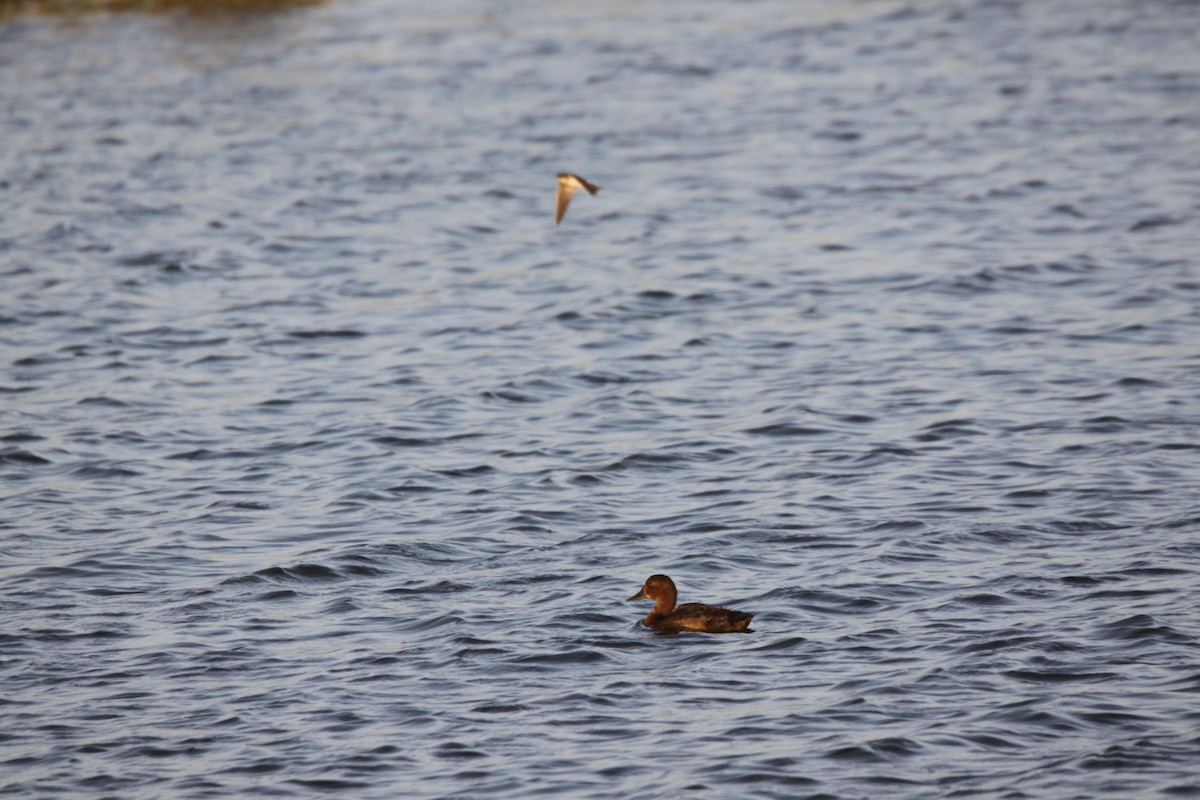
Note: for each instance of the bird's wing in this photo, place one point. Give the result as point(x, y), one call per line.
point(561, 200)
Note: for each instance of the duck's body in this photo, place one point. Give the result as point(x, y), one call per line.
point(670, 618)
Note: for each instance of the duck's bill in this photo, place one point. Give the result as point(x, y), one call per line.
point(641, 595)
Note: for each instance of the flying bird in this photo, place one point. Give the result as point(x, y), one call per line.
point(568, 184)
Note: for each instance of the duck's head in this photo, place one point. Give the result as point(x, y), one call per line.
point(660, 589)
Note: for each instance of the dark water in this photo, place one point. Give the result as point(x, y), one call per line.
point(328, 460)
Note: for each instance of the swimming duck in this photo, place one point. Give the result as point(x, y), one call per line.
point(670, 618)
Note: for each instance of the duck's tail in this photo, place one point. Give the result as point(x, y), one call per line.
point(740, 620)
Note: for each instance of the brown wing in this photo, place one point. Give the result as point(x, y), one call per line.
point(710, 619)
point(561, 200)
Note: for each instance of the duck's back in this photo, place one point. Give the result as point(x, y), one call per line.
point(701, 617)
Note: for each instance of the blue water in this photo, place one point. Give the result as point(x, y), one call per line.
point(328, 460)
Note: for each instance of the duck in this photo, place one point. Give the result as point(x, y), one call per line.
point(670, 618)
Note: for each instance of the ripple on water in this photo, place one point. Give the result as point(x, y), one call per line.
point(330, 460)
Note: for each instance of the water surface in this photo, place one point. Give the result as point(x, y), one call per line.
point(328, 460)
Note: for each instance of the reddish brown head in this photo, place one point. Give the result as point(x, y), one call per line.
point(661, 590)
